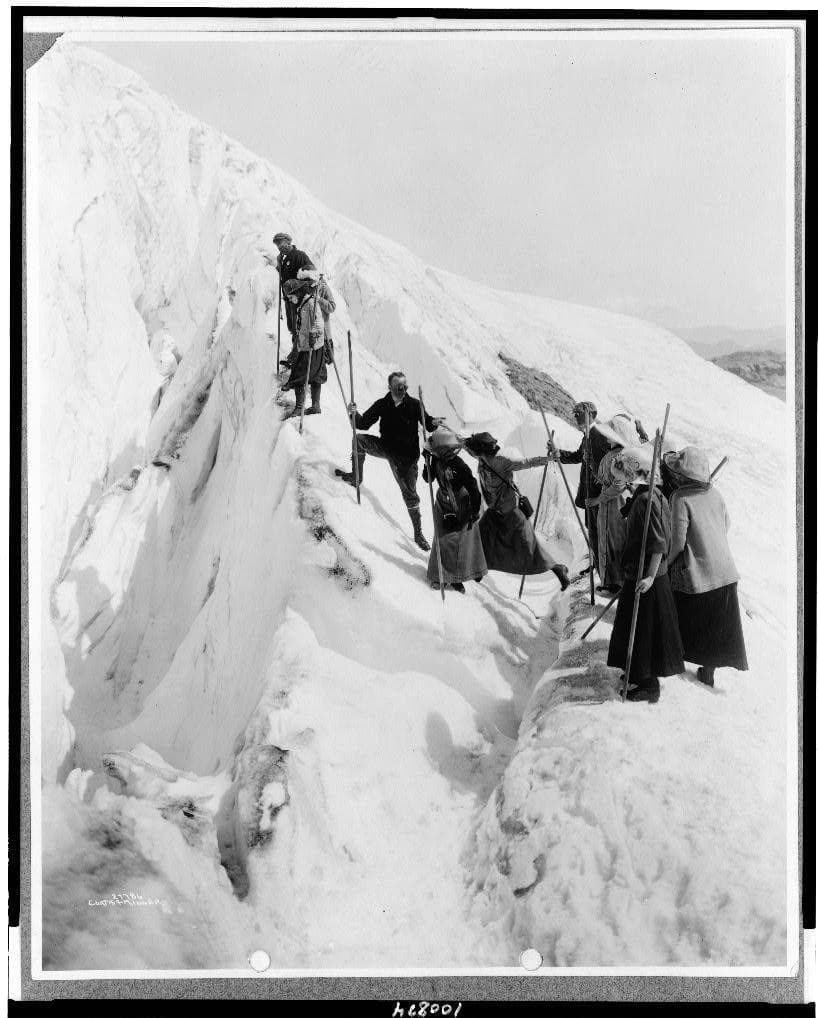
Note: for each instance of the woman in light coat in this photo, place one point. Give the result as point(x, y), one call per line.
point(509, 542)
point(703, 575)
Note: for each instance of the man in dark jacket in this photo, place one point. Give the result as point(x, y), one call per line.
point(589, 486)
point(399, 417)
point(289, 263)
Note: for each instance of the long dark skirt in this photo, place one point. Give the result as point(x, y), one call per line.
point(612, 529)
point(510, 544)
point(318, 368)
point(710, 624)
point(593, 532)
point(461, 553)
point(657, 646)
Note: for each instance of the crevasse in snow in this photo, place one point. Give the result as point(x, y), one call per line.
point(256, 716)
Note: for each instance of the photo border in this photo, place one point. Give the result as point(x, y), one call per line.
point(640, 985)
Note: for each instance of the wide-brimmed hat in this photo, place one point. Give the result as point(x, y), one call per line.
point(483, 443)
point(633, 461)
point(298, 287)
point(619, 430)
point(281, 237)
point(690, 464)
point(442, 442)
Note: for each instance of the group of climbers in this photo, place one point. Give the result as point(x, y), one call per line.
point(688, 600)
point(687, 594)
point(503, 538)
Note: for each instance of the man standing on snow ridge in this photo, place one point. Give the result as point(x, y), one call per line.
point(399, 416)
point(589, 486)
point(291, 264)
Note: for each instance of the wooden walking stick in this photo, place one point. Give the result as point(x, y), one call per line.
point(278, 340)
point(536, 517)
point(718, 468)
point(432, 497)
point(343, 394)
point(587, 464)
point(352, 420)
point(657, 451)
point(553, 445)
point(613, 600)
point(341, 384)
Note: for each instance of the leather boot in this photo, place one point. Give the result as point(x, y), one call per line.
point(706, 675)
point(420, 540)
point(295, 411)
point(315, 399)
point(646, 691)
point(349, 478)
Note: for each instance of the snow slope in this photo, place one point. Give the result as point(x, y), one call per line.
point(255, 713)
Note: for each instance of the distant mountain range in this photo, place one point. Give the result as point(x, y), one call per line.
point(766, 369)
point(711, 341)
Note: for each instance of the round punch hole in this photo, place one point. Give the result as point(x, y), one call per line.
point(531, 959)
point(259, 961)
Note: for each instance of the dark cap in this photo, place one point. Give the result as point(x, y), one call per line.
point(298, 287)
point(583, 405)
point(482, 444)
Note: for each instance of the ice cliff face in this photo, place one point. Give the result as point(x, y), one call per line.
point(254, 710)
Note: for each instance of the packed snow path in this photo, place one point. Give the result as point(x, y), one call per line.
point(255, 711)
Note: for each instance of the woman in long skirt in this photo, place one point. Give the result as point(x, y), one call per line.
point(611, 525)
point(622, 432)
point(703, 575)
point(456, 508)
point(657, 648)
point(509, 542)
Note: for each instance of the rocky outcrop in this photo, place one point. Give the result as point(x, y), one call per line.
point(765, 369)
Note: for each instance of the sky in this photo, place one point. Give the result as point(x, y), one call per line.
point(646, 175)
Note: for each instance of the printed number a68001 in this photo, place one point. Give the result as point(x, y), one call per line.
point(425, 1009)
